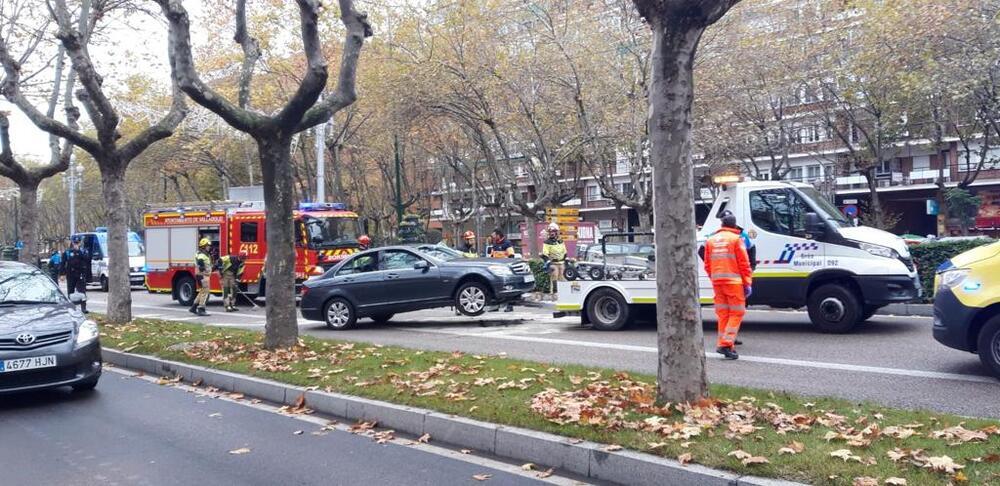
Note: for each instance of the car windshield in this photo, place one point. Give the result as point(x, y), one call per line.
point(331, 231)
point(19, 286)
point(827, 211)
point(441, 252)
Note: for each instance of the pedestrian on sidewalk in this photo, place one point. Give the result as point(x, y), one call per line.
point(76, 263)
point(55, 266)
point(203, 267)
point(554, 254)
point(727, 265)
point(231, 269)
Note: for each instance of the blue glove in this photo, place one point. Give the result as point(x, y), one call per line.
point(747, 291)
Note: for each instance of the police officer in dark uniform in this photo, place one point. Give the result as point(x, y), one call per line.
point(76, 263)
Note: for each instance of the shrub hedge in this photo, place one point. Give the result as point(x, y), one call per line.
point(929, 256)
point(541, 277)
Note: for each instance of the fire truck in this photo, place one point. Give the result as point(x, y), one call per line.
point(325, 233)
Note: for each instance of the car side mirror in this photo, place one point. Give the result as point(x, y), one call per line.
point(421, 265)
point(814, 226)
point(77, 298)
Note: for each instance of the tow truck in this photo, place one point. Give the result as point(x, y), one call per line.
point(325, 234)
point(808, 255)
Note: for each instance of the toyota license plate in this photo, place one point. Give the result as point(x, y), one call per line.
point(529, 278)
point(32, 363)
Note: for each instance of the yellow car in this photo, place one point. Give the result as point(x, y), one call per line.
point(967, 304)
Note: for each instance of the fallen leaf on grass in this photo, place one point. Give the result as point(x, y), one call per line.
point(864, 481)
point(755, 460)
point(845, 454)
point(546, 473)
point(528, 466)
point(960, 435)
point(686, 444)
point(894, 481)
point(794, 448)
point(424, 438)
point(960, 477)
point(942, 464)
point(481, 477)
point(241, 450)
point(685, 458)
point(612, 448)
point(740, 454)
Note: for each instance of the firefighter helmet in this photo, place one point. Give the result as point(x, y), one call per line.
point(469, 235)
point(204, 242)
point(553, 227)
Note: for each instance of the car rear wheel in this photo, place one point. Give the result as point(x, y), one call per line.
point(596, 273)
point(833, 308)
point(87, 385)
point(472, 298)
point(988, 345)
point(186, 290)
point(607, 310)
point(381, 318)
point(339, 314)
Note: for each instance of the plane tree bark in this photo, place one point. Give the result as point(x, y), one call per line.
point(273, 133)
point(111, 153)
point(677, 27)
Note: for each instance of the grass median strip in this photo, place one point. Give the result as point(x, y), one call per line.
point(758, 432)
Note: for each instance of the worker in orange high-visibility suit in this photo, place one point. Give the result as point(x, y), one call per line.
point(728, 266)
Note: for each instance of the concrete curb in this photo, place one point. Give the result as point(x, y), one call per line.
point(584, 458)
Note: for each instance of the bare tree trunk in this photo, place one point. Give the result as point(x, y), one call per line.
point(276, 169)
point(119, 291)
point(29, 222)
point(681, 370)
point(875, 204)
point(645, 220)
point(531, 246)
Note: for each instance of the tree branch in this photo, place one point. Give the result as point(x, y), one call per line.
point(251, 52)
point(358, 29)
point(312, 84)
point(162, 129)
point(182, 65)
point(11, 90)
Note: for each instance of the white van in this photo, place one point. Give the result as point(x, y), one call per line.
point(96, 244)
point(808, 255)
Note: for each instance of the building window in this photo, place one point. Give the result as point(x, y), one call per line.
point(814, 173)
point(795, 174)
point(593, 193)
point(621, 165)
point(626, 189)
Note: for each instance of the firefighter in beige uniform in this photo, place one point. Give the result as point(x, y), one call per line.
point(554, 254)
point(231, 269)
point(203, 267)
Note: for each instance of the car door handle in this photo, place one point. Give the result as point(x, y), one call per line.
point(391, 275)
point(348, 279)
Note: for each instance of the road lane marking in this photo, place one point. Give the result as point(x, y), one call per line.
point(743, 357)
point(345, 427)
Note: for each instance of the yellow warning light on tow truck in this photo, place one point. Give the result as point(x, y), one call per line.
point(726, 179)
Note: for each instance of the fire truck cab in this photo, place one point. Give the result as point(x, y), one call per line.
point(325, 233)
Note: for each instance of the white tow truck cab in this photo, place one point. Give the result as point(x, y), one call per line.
point(808, 255)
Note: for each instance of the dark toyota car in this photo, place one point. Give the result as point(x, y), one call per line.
point(382, 282)
point(45, 342)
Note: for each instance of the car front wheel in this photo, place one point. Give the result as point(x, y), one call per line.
point(988, 345)
point(339, 314)
point(833, 308)
point(471, 298)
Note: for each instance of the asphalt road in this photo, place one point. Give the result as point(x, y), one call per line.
point(890, 360)
point(131, 431)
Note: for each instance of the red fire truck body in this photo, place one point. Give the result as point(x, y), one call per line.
point(325, 234)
